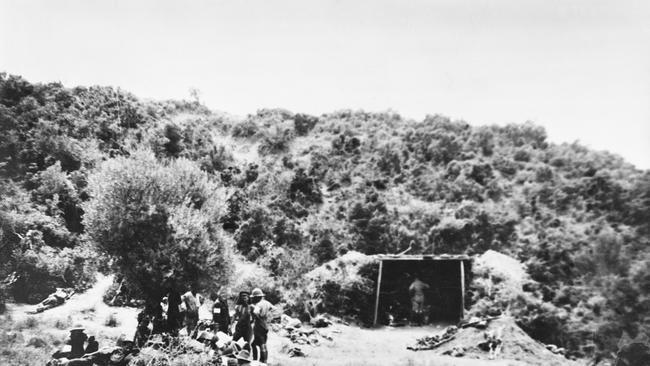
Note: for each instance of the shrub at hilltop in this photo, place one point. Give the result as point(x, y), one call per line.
point(160, 221)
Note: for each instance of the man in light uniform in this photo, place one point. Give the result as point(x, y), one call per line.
point(262, 310)
point(417, 291)
point(192, 301)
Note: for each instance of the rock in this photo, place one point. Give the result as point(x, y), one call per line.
point(288, 322)
point(455, 352)
point(37, 342)
point(320, 321)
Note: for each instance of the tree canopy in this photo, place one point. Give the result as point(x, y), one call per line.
point(160, 221)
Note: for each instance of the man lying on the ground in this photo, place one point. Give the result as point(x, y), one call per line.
point(55, 299)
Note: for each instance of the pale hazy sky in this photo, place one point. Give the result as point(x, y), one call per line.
point(580, 68)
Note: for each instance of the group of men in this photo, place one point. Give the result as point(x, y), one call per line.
point(250, 321)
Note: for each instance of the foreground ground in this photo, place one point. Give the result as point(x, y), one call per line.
point(384, 346)
point(30, 339)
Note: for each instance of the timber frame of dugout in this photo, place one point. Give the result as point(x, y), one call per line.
point(461, 258)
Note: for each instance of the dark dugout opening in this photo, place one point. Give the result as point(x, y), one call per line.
point(448, 281)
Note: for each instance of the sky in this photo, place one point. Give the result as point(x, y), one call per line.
point(580, 68)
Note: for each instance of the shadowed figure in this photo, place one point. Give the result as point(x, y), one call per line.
point(417, 291)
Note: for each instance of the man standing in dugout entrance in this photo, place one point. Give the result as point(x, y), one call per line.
point(417, 291)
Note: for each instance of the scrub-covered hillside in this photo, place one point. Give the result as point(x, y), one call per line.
point(270, 197)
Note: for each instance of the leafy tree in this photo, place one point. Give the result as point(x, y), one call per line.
point(159, 222)
point(55, 190)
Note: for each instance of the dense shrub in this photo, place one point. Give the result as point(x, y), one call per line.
point(40, 270)
point(275, 141)
point(305, 188)
point(255, 228)
point(303, 123)
point(324, 250)
point(370, 219)
point(344, 287)
point(246, 128)
point(159, 222)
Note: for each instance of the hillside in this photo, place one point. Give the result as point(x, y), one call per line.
point(299, 190)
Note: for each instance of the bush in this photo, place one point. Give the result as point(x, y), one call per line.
point(522, 155)
point(275, 141)
point(112, 321)
point(344, 286)
point(63, 323)
point(217, 159)
point(305, 189)
point(324, 250)
point(303, 123)
point(174, 140)
point(56, 190)
point(122, 293)
point(160, 222)
point(28, 323)
point(255, 228)
point(41, 270)
point(245, 129)
point(248, 276)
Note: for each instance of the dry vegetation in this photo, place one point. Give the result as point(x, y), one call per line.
point(279, 193)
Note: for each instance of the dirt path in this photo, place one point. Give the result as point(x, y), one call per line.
point(352, 346)
point(77, 303)
point(384, 346)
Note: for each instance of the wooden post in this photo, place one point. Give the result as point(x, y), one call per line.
point(381, 265)
point(462, 289)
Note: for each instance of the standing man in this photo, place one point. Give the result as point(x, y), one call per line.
point(220, 315)
point(261, 315)
point(242, 319)
point(192, 305)
point(417, 291)
point(174, 318)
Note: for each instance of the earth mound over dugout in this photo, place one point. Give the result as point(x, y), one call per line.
point(517, 345)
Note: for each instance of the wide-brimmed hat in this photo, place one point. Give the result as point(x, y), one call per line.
point(257, 293)
point(244, 355)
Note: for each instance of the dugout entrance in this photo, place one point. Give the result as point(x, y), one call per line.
point(446, 276)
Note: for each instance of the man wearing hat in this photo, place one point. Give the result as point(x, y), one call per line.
point(261, 316)
point(220, 314)
point(242, 318)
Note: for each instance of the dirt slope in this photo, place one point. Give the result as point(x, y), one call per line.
point(517, 345)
